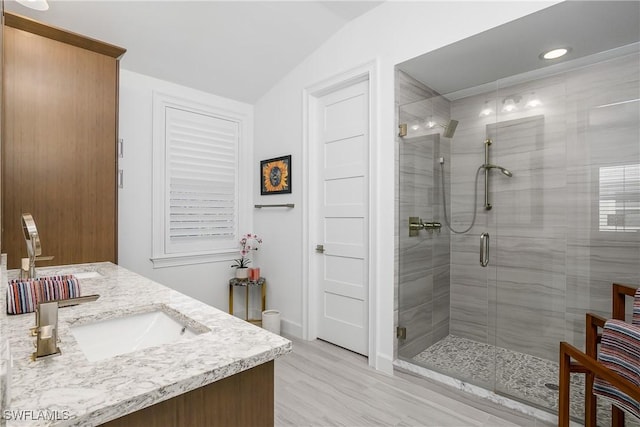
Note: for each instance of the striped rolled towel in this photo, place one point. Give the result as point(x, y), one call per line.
point(636, 308)
point(620, 352)
point(23, 295)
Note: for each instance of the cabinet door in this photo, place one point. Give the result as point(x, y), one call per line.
point(59, 149)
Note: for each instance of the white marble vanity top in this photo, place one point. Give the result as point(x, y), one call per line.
point(83, 393)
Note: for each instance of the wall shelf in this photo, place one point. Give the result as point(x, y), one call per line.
point(281, 205)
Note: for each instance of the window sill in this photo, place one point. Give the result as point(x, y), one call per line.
point(176, 260)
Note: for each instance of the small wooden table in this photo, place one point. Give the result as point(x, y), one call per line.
point(248, 284)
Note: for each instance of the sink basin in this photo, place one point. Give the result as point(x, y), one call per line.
point(108, 338)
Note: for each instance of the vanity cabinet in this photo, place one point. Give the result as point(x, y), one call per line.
point(59, 138)
point(243, 399)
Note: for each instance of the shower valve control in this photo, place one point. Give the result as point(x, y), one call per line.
point(416, 224)
point(430, 226)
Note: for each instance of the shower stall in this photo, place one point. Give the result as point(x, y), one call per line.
point(515, 224)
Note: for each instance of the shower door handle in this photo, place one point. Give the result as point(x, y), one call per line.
point(484, 249)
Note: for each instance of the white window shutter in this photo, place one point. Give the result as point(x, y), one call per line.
point(200, 198)
point(620, 198)
point(200, 182)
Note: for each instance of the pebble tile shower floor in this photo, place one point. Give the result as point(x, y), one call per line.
point(521, 376)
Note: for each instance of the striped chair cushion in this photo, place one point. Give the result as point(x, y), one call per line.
point(636, 308)
point(620, 352)
point(23, 295)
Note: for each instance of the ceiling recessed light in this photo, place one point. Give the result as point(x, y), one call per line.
point(35, 4)
point(555, 53)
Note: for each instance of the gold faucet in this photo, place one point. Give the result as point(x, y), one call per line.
point(46, 329)
point(34, 250)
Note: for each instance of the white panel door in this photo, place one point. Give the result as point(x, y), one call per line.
point(343, 201)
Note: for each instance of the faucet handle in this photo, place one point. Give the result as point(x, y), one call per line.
point(46, 331)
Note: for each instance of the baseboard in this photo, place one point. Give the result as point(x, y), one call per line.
point(383, 363)
point(287, 327)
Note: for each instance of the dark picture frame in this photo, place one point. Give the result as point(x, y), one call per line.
point(275, 175)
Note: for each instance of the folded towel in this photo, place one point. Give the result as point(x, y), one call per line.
point(620, 352)
point(23, 295)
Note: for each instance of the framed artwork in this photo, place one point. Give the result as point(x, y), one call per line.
point(275, 175)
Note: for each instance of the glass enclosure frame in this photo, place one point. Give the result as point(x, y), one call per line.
point(562, 228)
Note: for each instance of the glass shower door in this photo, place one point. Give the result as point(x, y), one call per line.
point(569, 223)
point(425, 261)
point(529, 260)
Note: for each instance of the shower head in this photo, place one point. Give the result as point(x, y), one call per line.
point(505, 171)
point(450, 129)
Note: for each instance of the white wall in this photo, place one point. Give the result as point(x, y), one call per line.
point(389, 34)
point(206, 282)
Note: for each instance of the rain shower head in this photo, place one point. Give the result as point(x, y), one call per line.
point(450, 129)
point(505, 171)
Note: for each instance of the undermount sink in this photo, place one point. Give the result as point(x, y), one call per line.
point(120, 335)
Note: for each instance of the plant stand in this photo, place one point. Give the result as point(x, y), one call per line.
point(248, 284)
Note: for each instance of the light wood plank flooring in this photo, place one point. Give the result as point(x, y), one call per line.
point(323, 385)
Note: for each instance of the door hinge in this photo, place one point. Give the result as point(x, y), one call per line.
point(401, 333)
point(402, 130)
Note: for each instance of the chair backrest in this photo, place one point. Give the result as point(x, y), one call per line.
point(618, 309)
point(620, 352)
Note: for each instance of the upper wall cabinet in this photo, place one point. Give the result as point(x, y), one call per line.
point(59, 137)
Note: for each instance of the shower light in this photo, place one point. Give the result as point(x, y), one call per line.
point(486, 111)
point(533, 101)
point(555, 53)
point(509, 104)
point(449, 127)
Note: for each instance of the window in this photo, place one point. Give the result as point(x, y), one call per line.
point(196, 152)
point(620, 198)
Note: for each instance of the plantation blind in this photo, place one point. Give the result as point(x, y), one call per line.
point(201, 181)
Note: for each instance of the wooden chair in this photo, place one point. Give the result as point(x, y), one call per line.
point(587, 362)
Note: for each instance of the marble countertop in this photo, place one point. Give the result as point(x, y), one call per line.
point(82, 393)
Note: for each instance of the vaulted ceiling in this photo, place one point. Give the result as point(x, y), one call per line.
point(235, 49)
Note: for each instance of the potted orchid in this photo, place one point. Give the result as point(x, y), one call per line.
point(249, 242)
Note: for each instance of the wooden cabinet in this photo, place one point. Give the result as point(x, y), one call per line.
point(59, 137)
point(243, 399)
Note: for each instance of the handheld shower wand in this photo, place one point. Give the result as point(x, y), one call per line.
point(505, 171)
point(486, 167)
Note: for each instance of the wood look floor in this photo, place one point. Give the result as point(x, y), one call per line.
point(320, 384)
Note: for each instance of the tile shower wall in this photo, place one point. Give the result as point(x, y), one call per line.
point(423, 261)
point(566, 225)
